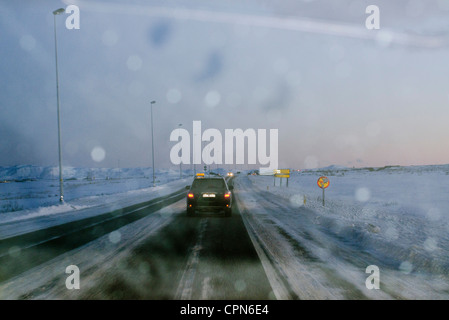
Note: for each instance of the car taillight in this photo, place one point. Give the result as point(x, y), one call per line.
point(227, 195)
point(190, 195)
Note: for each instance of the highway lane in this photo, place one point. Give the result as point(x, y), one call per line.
point(203, 257)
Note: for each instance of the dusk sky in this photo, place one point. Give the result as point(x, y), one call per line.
point(337, 92)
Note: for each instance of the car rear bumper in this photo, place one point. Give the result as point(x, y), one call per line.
point(211, 208)
point(209, 205)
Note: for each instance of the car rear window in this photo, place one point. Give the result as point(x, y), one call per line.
point(208, 184)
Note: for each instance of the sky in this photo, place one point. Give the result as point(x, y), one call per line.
point(338, 93)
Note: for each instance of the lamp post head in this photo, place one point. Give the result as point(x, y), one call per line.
point(58, 11)
point(152, 102)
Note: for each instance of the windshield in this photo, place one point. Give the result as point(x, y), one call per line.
point(208, 185)
point(120, 121)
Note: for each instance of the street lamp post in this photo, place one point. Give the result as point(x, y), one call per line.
point(193, 156)
point(152, 141)
point(61, 190)
point(180, 162)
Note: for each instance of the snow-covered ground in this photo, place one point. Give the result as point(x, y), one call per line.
point(395, 218)
point(29, 196)
point(30, 187)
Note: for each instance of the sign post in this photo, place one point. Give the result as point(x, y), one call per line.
point(323, 183)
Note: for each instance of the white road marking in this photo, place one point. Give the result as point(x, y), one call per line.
point(184, 291)
point(206, 288)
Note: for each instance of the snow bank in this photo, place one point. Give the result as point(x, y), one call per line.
point(30, 198)
point(394, 217)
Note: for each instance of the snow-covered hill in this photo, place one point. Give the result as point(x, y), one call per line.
point(29, 172)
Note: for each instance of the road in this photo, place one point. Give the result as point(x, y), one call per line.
point(161, 254)
point(204, 257)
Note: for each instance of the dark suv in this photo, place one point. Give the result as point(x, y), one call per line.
point(209, 194)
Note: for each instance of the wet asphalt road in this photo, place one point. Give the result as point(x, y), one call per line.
point(208, 256)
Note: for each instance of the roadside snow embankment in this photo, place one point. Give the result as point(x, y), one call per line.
point(395, 219)
point(117, 196)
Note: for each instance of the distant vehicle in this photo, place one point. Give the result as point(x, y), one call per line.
point(209, 194)
point(253, 173)
point(266, 172)
point(230, 174)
